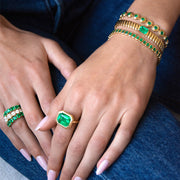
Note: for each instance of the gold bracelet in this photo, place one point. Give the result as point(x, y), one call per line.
point(147, 23)
point(140, 39)
point(142, 29)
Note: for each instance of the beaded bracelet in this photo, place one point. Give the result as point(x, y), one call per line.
point(140, 39)
point(147, 23)
point(143, 30)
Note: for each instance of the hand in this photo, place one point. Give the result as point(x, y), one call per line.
point(24, 74)
point(112, 87)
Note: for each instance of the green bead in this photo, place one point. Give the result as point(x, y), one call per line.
point(64, 119)
point(18, 115)
point(136, 15)
point(147, 44)
point(137, 37)
point(123, 31)
point(149, 23)
point(143, 29)
point(123, 13)
point(157, 52)
point(126, 32)
point(144, 42)
point(154, 49)
point(129, 13)
point(155, 27)
point(162, 33)
point(14, 118)
point(141, 39)
point(119, 30)
point(143, 19)
point(150, 46)
point(130, 33)
point(8, 111)
point(134, 35)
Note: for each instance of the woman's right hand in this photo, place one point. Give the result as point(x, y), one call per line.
point(24, 78)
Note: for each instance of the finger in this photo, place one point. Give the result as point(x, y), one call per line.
point(123, 136)
point(33, 115)
point(96, 145)
point(49, 121)
point(43, 87)
point(59, 58)
point(18, 144)
point(79, 141)
point(60, 141)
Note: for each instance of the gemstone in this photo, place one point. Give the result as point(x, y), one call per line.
point(141, 39)
point(144, 42)
point(123, 31)
point(154, 49)
point(155, 28)
point(134, 35)
point(126, 32)
point(150, 46)
point(8, 111)
point(14, 118)
point(13, 113)
point(130, 33)
point(157, 52)
point(137, 37)
point(116, 30)
point(136, 16)
point(124, 13)
point(18, 115)
point(119, 30)
point(129, 14)
point(9, 116)
point(147, 44)
point(143, 29)
point(64, 119)
point(17, 111)
point(161, 33)
point(143, 19)
point(149, 23)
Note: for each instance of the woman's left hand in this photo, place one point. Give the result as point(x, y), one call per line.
point(111, 87)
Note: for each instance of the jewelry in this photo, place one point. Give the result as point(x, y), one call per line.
point(12, 114)
point(140, 39)
point(147, 23)
point(65, 119)
point(143, 30)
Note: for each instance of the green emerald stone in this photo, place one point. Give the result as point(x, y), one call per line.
point(123, 31)
point(147, 44)
point(143, 29)
point(119, 30)
point(8, 111)
point(157, 52)
point(136, 15)
point(144, 42)
point(130, 33)
point(141, 39)
point(116, 30)
point(123, 13)
point(142, 19)
point(149, 23)
point(154, 49)
point(134, 35)
point(126, 32)
point(137, 37)
point(18, 115)
point(150, 46)
point(14, 118)
point(155, 27)
point(129, 13)
point(64, 119)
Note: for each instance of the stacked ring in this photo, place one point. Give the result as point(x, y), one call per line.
point(12, 114)
point(65, 119)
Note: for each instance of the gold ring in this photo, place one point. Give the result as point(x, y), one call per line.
point(65, 119)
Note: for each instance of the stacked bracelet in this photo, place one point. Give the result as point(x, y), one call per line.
point(143, 30)
point(147, 23)
point(140, 39)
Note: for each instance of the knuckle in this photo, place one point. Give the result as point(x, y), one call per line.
point(76, 148)
point(31, 120)
point(60, 138)
point(99, 142)
point(19, 125)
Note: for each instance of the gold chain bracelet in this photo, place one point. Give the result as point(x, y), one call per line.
point(135, 26)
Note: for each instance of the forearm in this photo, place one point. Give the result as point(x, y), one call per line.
point(162, 12)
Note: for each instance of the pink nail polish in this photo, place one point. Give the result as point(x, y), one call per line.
point(43, 121)
point(25, 154)
point(77, 178)
point(51, 175)
point(102, 167)
point(42, 162)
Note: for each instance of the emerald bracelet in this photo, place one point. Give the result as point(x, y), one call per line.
point(140, 39)
point(148, 23)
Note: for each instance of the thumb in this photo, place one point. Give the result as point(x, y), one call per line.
point(59, 58)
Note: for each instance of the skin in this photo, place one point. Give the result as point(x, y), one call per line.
point(24, 73)
point(112, 87)
point(99, 102)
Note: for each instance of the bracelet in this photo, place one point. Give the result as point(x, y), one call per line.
point(143, 30)
point(140, 39)
point(147, 23)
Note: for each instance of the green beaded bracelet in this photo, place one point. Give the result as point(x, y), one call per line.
point(147, 23)
point(140, 39)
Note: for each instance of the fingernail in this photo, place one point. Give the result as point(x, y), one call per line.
point(25, 154)
point(102, 167)
point(42, 162)
point(77, 178)
point(43, 121)
point(51, 175)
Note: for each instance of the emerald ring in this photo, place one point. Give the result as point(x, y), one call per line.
point(65, 119)
point(12, 114)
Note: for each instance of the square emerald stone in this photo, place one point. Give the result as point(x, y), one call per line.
point(64, 119)
point(141, 39)
point(130, 33)
point(143, 29)
point(134, 35)
point(150, 46)
point(137, 37)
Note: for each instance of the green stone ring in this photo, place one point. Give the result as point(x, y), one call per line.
point(65, 119)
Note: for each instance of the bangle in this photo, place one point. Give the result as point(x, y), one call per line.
point(143, 30)
point(147, 23)
point(138, 38)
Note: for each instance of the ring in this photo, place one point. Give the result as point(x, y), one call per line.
point(12, 114)
point(65, 119)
